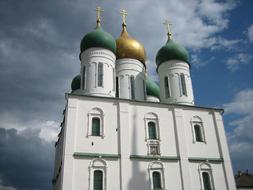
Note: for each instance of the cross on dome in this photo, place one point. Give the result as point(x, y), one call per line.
point(98, 13)
point(124, 14)
point(168, 26)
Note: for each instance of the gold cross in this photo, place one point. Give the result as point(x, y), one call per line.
point(124, 14)
point(168, 26)
point(98, 11)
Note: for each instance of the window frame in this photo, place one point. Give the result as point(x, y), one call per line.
point(97, 164)
point(156, 166)
point(95, 113)
point(206, 167)
point(196, 120)
point(152, 117)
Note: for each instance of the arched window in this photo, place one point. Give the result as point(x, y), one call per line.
point(206, 181)
point(167, 87)
point(183, 84)
point(198, 133)
point(198, 130)
point(95, 123)
point(156, 174)
point(83, 81)
point(132, 87)
point(100, 74)
point(152, 130)
point(98, 180)
point(95, 126)
point(206, 176)
point(97, 174)
point(156, 180)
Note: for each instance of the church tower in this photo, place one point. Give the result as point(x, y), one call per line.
point(174, 72)
point(97, 57)
point(130, 65)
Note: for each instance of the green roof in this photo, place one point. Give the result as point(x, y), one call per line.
point(152, 88)
point(98, 38)
point(76, 83)
point(171, 51)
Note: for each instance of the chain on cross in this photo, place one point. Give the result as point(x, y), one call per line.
point(124, 14)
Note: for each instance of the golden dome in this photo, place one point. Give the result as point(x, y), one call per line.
point(128, 47)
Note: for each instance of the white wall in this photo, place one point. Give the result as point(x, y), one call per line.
point(129, 118)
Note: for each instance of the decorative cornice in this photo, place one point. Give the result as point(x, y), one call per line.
point(155, 157)
point(95, 155)
point(199, 159)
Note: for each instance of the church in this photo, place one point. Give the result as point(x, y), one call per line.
point(122, 131)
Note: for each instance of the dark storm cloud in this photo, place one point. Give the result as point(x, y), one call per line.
point(26, 161)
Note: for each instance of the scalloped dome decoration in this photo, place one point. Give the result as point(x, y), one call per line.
point(152, 88)
point(76, 83)
point(171, 51)
point(128, 47)
point(98, 38)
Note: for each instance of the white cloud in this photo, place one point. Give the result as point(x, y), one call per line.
point(250, 33)
point(234, 63)
point(221, 43)
point(48, 129)
point(197, 62)
point(241, 138)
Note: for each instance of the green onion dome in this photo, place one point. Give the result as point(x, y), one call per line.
point(171, 51)
point(152, 88)
point(76, 83)
point(98, 38)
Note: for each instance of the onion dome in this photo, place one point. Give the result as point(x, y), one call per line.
point(171, 51)
point(98, 39)
point(76, 82)
point(152, 88)
point(128, 47)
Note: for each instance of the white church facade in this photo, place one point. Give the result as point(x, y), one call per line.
point(121, 131)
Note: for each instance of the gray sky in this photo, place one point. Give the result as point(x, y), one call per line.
point(39, 48)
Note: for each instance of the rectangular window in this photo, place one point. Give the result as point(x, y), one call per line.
point(152, 130)
point(83, 81)
point(198, 133)
point(156, 180)
point(132, 87)
point(117, 86)
point(183, 84)
point(167, 87)
point(98, 180)
point(100, 74)
point(206, 181)
point(95, 126)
